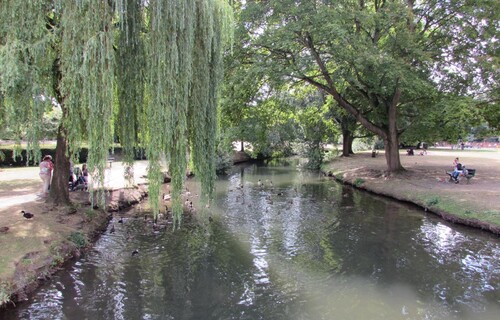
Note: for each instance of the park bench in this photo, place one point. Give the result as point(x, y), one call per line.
point(466, 173)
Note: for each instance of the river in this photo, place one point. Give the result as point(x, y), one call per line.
point(281, 243)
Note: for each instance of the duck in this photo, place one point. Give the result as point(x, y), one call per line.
point(27, 215)
point(210, 219)
point(156, 227)
point(259, 183)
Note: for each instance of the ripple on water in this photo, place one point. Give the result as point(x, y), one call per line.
point(318, 251)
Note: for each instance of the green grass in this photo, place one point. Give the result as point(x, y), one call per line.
point(46, 145)
point(12, 146)
point(78, 239)
point(432, 201)
point(462, 209)
point(4, 293)
point(358, 182)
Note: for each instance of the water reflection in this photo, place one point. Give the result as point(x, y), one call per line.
point(294, 246)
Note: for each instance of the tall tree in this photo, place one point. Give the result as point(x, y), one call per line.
point(396, 55)
point(164, 68)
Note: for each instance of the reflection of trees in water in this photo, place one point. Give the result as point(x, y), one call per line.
point(262, 254)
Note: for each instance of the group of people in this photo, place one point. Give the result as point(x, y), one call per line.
point(76, 176)
point(411, 152)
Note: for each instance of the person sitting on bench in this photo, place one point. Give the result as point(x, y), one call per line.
point(459, 169)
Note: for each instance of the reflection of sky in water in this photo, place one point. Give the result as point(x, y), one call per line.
point(299, 248)
point(473, 265)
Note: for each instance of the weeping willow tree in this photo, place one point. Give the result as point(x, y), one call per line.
point(160, 60)
point(24, 43)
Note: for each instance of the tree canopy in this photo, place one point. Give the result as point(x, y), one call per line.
point(388, 63)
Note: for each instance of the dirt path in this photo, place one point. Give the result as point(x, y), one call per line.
point(424, 182)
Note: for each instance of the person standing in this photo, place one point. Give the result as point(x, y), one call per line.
point(46, 167)
point(85, 173)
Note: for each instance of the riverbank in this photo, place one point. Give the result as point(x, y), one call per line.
point(426, 184)
point(32, 250)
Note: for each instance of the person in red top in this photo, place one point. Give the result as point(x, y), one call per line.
point(46, 167)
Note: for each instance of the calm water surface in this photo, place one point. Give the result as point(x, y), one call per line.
point(299, 246)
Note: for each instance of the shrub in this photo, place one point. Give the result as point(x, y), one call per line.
point(432, 201)
point(79, 239)
point(358, 182)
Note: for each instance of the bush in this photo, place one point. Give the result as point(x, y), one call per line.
point(358, 182)
point(79, 239)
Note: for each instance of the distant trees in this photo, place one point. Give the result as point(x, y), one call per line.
point(390, 64)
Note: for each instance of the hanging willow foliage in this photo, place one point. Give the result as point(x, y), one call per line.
point(24, 60)
point(159, 61)
point(87, 54)
point(184, 50)
point(130, 63)
point(170, 50)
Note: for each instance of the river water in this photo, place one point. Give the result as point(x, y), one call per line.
point(294, 245)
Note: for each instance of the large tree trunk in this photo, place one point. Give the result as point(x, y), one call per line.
point(391, 146)
point(392, 138)
point(347, 139)
point(59, 188)
point(59, 191)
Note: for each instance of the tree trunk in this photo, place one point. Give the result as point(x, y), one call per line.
point(391, 146)
point(347, 139)
point(59, 188)
point(242, 146)
point(59, 191)
point(392, 138)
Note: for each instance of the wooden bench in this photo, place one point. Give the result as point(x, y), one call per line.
point(466, 173)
